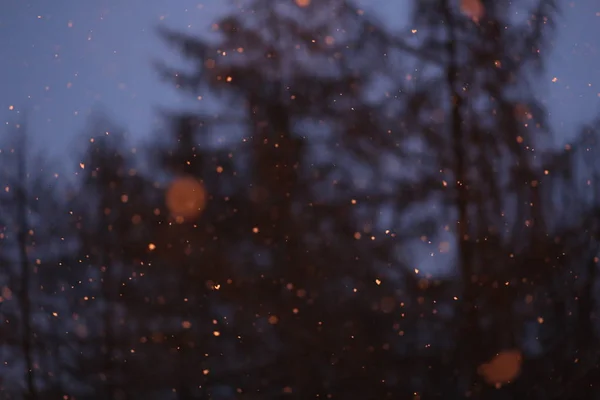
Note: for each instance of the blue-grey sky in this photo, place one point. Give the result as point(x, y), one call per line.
point(64, 56)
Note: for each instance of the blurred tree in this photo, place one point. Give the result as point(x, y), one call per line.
point(16, 199)
point(98, 211)
point(23, 232)
point(113, 210)
point(32, 252)
point(570, 348)
point(286, 213)
point(482, 129)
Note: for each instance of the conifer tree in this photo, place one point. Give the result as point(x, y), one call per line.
point(492, 125)
point(114, 210)
point(297, 266)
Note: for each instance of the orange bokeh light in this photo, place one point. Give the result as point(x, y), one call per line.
point(472, 9)
point(186, 197)
point(503, 368)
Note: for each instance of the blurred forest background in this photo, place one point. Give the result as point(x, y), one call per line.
point(267, 245)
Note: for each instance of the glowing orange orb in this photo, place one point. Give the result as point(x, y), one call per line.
point(472, 9)
point(186, 197)
point(503, 368)
point(303, 3)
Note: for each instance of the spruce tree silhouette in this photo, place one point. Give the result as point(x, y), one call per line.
point(570, 358)
point(491, 123)
point(303, 283)
point(18, 202)
point(113, 206)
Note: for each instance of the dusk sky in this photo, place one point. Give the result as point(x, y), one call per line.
point(62, 57)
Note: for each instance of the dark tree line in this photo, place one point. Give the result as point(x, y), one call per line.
point(349, 213)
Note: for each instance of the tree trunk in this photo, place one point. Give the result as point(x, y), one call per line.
point(466, 354)
point(21, 198)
